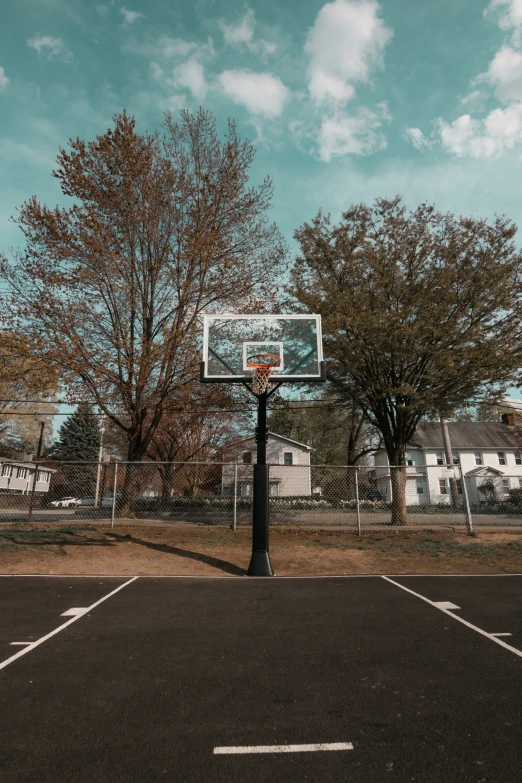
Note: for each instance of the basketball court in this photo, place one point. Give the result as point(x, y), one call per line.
point(230, 679)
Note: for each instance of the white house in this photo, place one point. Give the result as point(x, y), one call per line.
point(19, 477)
point(488, 454)
point(289, 463)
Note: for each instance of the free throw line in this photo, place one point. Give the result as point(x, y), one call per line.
point(436, 605)
point(64, 625)
point(240, 749)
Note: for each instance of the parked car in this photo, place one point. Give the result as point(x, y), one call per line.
point(68, 502)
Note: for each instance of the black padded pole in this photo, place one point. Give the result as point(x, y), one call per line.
point(260, 564)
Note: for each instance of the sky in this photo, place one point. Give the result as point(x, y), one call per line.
point(345, 101)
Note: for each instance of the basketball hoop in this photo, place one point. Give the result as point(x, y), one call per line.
point(262, 364)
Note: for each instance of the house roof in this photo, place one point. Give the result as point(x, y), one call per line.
point(466, 435)
point(273, 435)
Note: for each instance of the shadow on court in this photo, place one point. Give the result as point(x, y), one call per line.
point(215, 562)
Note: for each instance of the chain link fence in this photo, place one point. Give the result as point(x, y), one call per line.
point(301, 496)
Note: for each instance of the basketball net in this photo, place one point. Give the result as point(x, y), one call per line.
point(263, 364)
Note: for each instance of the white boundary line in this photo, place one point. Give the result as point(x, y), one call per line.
point(239, 749)
point(61, 627)
point(490, 636)
point(237, 578)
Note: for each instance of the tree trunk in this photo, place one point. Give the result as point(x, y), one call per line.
point(167, 480)
point(398, 505)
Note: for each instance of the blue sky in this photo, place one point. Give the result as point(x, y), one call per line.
point(345, 101)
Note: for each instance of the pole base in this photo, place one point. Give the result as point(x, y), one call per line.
point(260, 565)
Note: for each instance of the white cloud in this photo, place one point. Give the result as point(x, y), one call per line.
point(508, 14)
point(505, 74)
point(468, 137)
point(191, 75)
point(49, 47)
point(129, 17)
point(358, 134)
point(4, 81)
point(417, 138)
point(261, 93)
point(345, 44)
point(177, 48)
point(242, 35)
point(103, 10)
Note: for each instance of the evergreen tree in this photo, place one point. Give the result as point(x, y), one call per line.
point(79, 438)
point(78, 441)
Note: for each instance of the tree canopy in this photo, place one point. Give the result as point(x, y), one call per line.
point(421, 311)
point(110, 290)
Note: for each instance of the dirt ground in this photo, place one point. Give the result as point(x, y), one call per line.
point(204, 551)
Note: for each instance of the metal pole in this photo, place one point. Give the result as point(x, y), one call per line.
point(33, 488)
point(454, 494)
point(469, 521)
point(114, 493)
point(260, 564)
point(235, 497)
point(100, 454)
point(357, 501)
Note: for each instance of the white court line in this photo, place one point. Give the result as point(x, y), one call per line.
point(490, 636)
point(21, 644)
point(240, 749)
point(75, 610)
point(501, 634)
point(264, 578)
point(61, 627)
point(445, 605)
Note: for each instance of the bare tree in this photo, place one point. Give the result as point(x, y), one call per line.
point(110, 291)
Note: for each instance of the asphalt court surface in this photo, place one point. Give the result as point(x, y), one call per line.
point(152, 680)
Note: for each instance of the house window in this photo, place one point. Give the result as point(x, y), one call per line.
point(288, 458)
point(456, 457)
point(478, 458)
point(520, 483)
point(22, 473)
point(501, 458)
point(247, 458)
point(7, 470)
point(409, 460)
point(246, 490)
point(440, 458)
point(443, 489)
point(420, 488)
point(518, 457)
point(505, 485)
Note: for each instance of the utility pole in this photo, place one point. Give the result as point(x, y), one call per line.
point(98, 472)
point(454, 492)
point(40, 441)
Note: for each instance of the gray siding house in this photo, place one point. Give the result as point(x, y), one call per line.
point(289, 472)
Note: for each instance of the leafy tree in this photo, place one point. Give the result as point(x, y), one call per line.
point(25, 380)
point(337, 432)
point(193, 428)
point(421, 313)
point(110, 291)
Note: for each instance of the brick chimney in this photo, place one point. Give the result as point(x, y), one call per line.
point(509, 419)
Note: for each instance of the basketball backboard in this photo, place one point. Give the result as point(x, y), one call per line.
point(229, 340)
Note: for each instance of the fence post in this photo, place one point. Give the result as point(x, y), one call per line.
point(33, 490)
point(357, 501)
point(469, 521)
point(235, 497)
point(114, 493)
